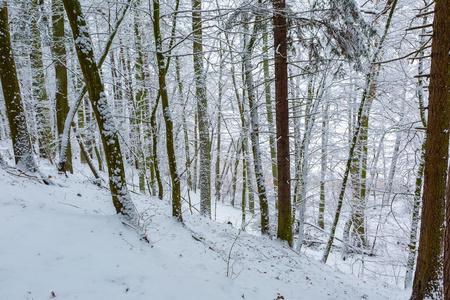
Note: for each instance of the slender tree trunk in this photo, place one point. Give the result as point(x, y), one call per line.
point(196, 150)
point(270, 121)
point(142, 111)
point(218, 179)
point(185, 127)
point(23, 153)
point(60, 62)
point(176, 191)
point(244, 191)
point(117, 181)
point(297, 111)
point(358, 168)
point(86, 156)
point(390, 180)
point(415, 220)
point(304, 159)
point(42, 104)
point(254, 131)
point(323, 166)
point(202, 111)
point(217, 175)
point(238, 149)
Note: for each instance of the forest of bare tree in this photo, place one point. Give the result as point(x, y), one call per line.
point(322, 123)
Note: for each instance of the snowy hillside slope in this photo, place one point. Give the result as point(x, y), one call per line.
point(66, 242)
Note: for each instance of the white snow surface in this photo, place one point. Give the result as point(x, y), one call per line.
point(66, 242)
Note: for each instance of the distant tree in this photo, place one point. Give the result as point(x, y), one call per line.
point(23, 152)
point(41, 101)
point(108, 132)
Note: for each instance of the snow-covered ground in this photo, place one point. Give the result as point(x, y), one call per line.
point(66, 242)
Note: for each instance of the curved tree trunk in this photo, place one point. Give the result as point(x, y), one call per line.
point(74, 107)
point(162, 68)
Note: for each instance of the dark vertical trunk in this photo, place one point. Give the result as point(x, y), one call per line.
point(427, 279)
point(172, 160)
point(23, 153)
point(282, 122)
point(59, 58)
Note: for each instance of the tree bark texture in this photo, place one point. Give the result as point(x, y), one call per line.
point(172, 160)
point(23, 153)
point(427, 279)
point(83, 44)
point(202, 110)
point(282, 122)
point(254, 122)
point(59, 61)
point(429, 260)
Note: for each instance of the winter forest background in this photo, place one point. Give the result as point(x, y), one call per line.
point(189, 92)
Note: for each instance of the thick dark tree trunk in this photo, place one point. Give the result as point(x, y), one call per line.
point(282, 121)
point(23, 153)
point(427, 279)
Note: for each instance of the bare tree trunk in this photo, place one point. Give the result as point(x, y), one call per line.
point(141, 102)
point(412, 251)
point(185, 127)
point(393, 166)
point(117, 181)
point(60, 62)
point(323, 166)
point(154, 135)
point(282, 121)
point(23, 153)
point(428, 276)
point(254, 122)
point(415, 220)
point(270, 121)
point(162, 69)
point(42, 103)
point(217, 175)
point(202, 111)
